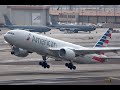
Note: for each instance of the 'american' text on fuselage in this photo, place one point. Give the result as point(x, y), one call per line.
point(44, 42)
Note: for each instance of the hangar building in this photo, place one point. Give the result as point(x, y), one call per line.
point(109, 15)
point(25, 14)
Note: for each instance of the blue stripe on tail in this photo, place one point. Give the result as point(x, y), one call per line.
point(103, 39)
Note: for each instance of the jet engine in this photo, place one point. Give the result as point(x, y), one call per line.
point(61, 29)
point(19, 52)
point(67, 53)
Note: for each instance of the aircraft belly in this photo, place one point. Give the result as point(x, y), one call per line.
point(82, 60)
point(85, 59)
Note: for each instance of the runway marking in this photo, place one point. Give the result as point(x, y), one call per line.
point(47, 81)
point(114, 78)
point(37, 81)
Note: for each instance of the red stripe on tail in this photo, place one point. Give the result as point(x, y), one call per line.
point(109, 35)
point(107, 41)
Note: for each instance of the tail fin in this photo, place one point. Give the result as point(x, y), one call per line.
point(53, 20)
point(104, 40)
point(7, 21)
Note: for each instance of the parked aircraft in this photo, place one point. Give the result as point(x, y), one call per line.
point(31, 28)
point(25, 42)
point(71, 28)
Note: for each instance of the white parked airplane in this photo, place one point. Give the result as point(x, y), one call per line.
point(25, 42)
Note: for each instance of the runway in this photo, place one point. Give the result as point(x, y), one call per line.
point(59, 75)
point(26, 71)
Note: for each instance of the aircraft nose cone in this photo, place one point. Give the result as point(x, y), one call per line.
point(6, 37)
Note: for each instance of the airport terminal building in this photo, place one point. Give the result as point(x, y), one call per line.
point(25, 14)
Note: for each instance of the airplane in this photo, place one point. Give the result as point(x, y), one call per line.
point(10, 26)
point(70, 27)
point(24, 42)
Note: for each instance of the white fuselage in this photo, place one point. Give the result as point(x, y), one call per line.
point(40, 44)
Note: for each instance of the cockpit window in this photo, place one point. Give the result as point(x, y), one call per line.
point(10, 33)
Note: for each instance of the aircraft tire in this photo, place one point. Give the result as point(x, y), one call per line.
point(70, 65)
point(74, 67)
point(66, 64)
point(12, 52)
point(40, 63)
point(44, 66)
point(70, 68)
point(48, 66)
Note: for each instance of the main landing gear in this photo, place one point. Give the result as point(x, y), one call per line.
point(70, 65)
point(44, 63)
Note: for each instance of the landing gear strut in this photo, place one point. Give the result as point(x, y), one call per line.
point(44, 63)
point(70, 65)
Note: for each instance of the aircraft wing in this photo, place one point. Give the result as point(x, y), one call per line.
point(90, 50)
point(97, 50)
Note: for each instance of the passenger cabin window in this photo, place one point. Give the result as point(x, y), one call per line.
point(11, 33)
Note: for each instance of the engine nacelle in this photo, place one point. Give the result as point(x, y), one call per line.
point(67, 53)
point(19, 52)
point(61, 29)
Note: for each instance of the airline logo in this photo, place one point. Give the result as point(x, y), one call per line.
point(44, 42)
point(103, 42)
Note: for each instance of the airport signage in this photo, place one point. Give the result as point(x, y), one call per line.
point(36, 18)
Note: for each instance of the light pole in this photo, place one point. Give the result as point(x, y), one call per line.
point(82, 16)
point(96, 14)
point(114, 13)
